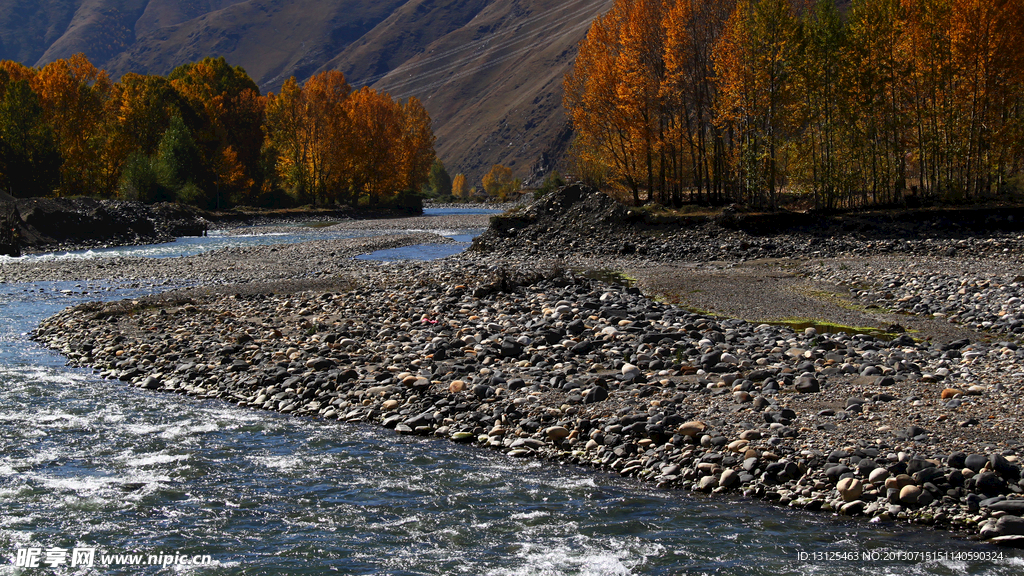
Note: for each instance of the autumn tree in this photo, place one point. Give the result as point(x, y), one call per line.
point(138, 113)
point(29, 160)
point(73, 94)
point(642, 99)
point(228, 123)
point(309, 126)
point(459, 188)
point(335, 145)
point(754, 61)
point(965, 87)
point(374, 164)
point(603, 131)
point(500, 183)
point(822, 109)
point(879, 69)
point(694, 143)
point(417, 146)
point(640, 68)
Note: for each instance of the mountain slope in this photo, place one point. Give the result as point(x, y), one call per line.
point(493, 86)
point(488, 71)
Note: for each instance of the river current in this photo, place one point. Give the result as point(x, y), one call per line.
point(133, 477)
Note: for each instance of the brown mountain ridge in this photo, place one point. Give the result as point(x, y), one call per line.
point(488, 71)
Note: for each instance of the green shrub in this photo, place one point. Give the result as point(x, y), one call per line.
point(552, 182)
point(140, 180)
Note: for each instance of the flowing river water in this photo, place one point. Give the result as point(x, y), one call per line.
point(138, 477)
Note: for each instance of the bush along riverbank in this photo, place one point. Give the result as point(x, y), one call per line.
point(567, 369)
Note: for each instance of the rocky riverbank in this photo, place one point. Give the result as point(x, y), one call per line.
point(577, 221)
point(62, 224)
point(981, 294)
point(539, 361)
point(545, 364)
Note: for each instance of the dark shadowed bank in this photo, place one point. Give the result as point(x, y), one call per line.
point(72, 222)
point(45, 224)
point(580, 219)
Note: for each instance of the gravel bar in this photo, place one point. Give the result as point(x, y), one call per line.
point(677, 381)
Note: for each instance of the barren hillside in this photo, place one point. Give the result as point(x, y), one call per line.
point(488, 71)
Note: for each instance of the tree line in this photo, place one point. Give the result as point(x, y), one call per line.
point(887, 102)
point(205, 135)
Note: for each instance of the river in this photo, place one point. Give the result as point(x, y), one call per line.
point(127, 474)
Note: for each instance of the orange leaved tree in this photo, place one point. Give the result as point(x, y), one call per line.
point(73, 93)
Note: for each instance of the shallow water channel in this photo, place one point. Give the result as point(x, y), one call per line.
point(94, 465)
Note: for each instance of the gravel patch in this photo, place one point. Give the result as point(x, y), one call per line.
point(980, 294)
point(313, 259)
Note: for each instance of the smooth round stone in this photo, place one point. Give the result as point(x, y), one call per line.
point(910, 495)
point(456, 386)
point(850, 489)
point(852, 508)
point(738, 445)
point(990, 484)
point(1003, 467)
point(630, 371)
point(463, 436)
point(956, 460)
point(556, 433)
point(865, 466)
point(878, 475)
point(691, 428)
point(807, 385)
point(729, 478)
point(708, 483)
point(899, 482)
point(741, 397)
point(975, 462)
point(835, 473)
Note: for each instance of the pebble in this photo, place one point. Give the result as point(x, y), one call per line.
point(850, 489)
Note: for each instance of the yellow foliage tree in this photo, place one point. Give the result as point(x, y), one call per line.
point(754, 61)
point(417, 146)
point(343, 146)
point(499, 182)
point(308, 126)
point(459, 188)
point(231, 114)
point(73, 93)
